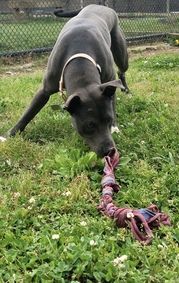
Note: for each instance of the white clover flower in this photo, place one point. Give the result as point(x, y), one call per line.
point(121, 265)
point(142, 142)
point(83, 223)
point(32, 200)
point(55, 236)
point(160, 247)
point(29, 207)
point(40, 216)
point(93, 243)
point(67, 194)
point(16, 195)
point(2, 139)
point(118, 261)
point(8, 161)
point(123, 258)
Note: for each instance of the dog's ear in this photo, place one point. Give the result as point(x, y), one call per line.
point(108, 89)
point(72, 103)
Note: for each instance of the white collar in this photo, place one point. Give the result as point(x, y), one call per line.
point(78, 55)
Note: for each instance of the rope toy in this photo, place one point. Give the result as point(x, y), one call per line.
point(140, 221)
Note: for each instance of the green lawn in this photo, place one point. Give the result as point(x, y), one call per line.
point(149, 25)
point(50, 228)
point(19, 35)
point(24, 35)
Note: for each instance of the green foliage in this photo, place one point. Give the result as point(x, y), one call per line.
point(160, 62)
point(50, 228)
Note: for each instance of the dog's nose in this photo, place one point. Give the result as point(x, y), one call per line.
point(106, 149)
point(109, 151)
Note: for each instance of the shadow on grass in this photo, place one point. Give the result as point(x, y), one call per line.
point(56, 128)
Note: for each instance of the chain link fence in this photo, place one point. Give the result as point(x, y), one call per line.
point(30, 25)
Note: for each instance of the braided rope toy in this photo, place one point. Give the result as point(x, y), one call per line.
point(140, 221)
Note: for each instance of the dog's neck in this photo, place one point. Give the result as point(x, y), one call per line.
point(74, 72)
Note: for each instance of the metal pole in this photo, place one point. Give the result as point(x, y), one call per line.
point(81, 4)
point(168, 7)
point(103, 2)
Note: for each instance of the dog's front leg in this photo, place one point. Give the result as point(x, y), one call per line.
point(39, 100)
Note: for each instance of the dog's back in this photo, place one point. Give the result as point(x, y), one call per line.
point(95, 13)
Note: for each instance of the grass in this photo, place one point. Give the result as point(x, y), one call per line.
point(24, 34)
point(50, 227)
point(148, 25)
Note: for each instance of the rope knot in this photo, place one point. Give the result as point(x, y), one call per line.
point(140, 221)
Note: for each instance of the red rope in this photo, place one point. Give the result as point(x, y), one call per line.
point(140, 221)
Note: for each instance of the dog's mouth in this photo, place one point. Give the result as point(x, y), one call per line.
point(107, 152)
point(111, 152)
point(103, 149)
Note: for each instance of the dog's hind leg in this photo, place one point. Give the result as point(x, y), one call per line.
point(38, 102)
point(119, 51)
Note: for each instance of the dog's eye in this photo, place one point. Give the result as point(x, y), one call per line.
point(91, 125)
point(89, 128)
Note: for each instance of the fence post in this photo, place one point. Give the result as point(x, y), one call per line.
point(168, 7)
point(81, 4)
point(103, 2)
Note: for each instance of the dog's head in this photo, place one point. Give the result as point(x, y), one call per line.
point(92, 112)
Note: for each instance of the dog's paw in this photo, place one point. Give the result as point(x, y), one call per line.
point(2, 139)
point(114, 129)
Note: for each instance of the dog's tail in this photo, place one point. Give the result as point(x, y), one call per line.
point(66, 14)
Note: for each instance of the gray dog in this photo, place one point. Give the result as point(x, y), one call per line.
point(82, 62)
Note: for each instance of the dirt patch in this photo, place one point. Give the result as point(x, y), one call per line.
point(150, 50)
point(31, 63)
point(21, 65)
